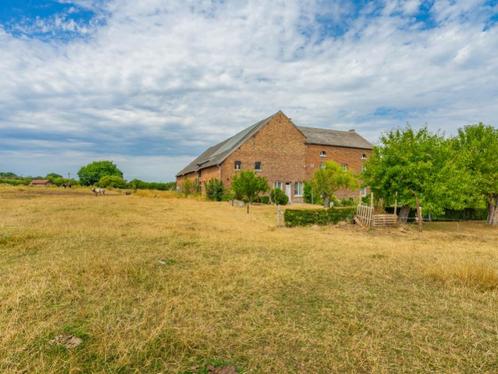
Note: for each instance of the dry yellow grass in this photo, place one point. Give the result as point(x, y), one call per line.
point(170, 285)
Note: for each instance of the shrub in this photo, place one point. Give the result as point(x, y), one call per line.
point(112, 181)
point(214, 189)
point(301, 217)
point(279, 197)
point(138, 184)
point(189, 187)
point(264, 199)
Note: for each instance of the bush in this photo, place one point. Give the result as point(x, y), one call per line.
point(214, 189)
point(279, 197)
point(265, 199)
point(138, 184)
point(112, 181)
point(301, 217)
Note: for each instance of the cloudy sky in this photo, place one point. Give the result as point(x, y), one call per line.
point(151, 83)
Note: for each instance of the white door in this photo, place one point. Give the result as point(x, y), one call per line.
point(288, 191)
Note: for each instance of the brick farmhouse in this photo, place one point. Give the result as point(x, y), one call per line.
point(286, 154)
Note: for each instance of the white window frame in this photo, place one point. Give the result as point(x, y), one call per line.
point(364, 156)
point(298, 189)
point(237, 165)
point(323, 154)
point(278, 185)
point(260, 166)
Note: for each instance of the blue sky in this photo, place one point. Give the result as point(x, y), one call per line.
point(151, 83)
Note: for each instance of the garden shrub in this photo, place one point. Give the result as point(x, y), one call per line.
point(279, 197)
point(301, 217)
point(214, 189)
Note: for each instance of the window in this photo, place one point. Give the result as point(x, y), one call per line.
point(238, 165)
point(278, 185)
point(298, 189)
point(364, 156)
point(323, 154)
point(257, 166)
point(344, 167)
point(363, 192)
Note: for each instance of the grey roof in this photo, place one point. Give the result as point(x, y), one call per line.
point(350, 139)
point(216, 154)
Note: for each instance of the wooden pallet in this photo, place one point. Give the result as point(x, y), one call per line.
point(385, 220)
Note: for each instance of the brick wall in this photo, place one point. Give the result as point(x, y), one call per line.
point(280, 148)
point(213, 172)
point(352, 157)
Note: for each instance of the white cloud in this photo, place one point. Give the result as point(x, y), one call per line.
point(191, 73)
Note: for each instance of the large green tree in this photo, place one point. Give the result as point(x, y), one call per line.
point(418, 168)
point(477, 150)
point(247, 185)
point(91, 173)
point(329, 179)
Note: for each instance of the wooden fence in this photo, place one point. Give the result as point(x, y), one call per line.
point(365, 217)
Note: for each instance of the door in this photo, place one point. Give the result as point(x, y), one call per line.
point(288, 191)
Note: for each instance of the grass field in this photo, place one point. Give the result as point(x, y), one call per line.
point(175, 285)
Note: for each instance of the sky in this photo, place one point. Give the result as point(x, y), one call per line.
point(149, 84)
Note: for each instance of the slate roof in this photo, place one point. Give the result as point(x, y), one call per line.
point(216, 154)
point(350, 139)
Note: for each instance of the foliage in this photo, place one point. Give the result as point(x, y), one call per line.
point(138, 184)
point(279, 197)
point(215, 189)
point(113, 181)
point(7, 174)
point(327, 180)
point(16, 181)
point(189, 187)
point(477, 150)
point(300, 217)
point(265, 199)
point(91, 173)
point(410, 165)
point(247, 186)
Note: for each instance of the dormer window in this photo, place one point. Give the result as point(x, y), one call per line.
point(237, 165)
point(323, 154)
point(364, 156)
point(257, 166)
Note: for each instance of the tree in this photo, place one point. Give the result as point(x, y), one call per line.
point(91, 173)
point(477, 148)
point(329, 179)
point(247, 186)
point(114, 181)
point(215, 189)
point(279, 197)
point(416, 167)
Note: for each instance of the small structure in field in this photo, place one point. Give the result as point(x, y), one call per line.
point(40, 182)
point(365, 216)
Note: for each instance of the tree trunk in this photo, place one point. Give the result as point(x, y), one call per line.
point(492, 219)
point(247, 207)
point(326, 202)
point(419, 214)
point(403, 214)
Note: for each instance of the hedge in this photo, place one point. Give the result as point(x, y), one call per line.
point(467, 214)
point(301, 217)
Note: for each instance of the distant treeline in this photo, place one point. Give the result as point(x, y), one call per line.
point(106, 181)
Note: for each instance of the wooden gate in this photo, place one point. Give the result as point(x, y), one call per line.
point(364, 215)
